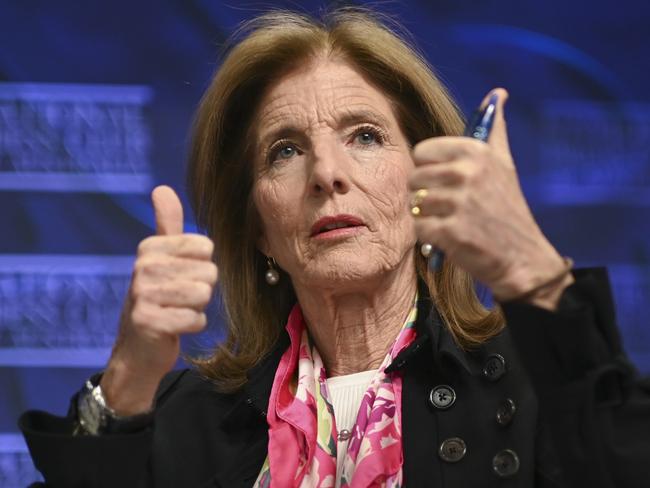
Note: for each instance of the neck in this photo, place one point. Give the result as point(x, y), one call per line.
point(354, 326)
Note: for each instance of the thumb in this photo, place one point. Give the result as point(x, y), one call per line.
point(498, 138)
point(168, 209)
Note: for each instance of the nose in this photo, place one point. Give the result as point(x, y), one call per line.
point(330, 170)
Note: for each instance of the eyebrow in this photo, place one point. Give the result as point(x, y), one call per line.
point(355, 117)
point(351, 117)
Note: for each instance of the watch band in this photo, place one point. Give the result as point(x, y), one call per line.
point(95, 417)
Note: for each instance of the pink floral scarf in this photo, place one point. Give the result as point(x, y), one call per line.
point(302, 428)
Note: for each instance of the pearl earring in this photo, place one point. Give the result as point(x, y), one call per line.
point(272, 276)
point(426, 249)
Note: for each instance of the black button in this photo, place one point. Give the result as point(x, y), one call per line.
point(442, 397)
point(506, 463)
point(452, 450)
point(506, 411)
point(495, 367)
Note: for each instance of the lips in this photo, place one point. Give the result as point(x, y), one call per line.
point(330, 223)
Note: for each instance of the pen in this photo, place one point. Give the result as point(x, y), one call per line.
point(480, 124)
point(478, 127)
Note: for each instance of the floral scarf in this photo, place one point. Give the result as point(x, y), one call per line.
point(302, 428)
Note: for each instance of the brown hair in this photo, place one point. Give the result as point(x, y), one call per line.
point(220, 173)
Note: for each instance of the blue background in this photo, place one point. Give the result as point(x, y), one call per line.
point(579, 121)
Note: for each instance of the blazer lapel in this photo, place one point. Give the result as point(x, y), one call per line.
point(249, 412)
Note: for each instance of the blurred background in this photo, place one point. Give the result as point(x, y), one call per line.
point(95, 103)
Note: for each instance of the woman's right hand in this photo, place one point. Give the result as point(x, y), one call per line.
point(173, 281)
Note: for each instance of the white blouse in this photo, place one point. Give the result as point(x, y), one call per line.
point(346, 393)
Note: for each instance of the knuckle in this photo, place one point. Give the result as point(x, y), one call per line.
point(445, 200)
point(461, 174)
point(190, 316)
point(422, 149)
point(473, 149)
point(451, 203)
point(204, 293)
point(201, 320)
point(142, 264)
point(152, 264)
point(209, 245)
point(137, 290)
point(480, 169)
point(145, 244)
point(472, 172)
point(196, 244)
point(199, 323)
point(213, 273)
point(142, 247)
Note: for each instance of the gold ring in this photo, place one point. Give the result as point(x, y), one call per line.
point(417, 199)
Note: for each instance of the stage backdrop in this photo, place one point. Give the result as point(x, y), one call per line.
point(95, 103)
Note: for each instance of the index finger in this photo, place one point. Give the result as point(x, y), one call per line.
point(194, 246)
point(445, 148)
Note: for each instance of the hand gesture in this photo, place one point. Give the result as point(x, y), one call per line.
point(173, 281)
point(474, 210)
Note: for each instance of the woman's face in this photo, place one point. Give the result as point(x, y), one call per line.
point(331, 178)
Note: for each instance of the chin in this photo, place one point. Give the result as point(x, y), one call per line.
point(356, 271)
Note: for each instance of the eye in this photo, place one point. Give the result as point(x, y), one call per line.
point(286, 152)
point(367, 136)
point(282, 150)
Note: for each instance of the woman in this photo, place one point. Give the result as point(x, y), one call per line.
point(324, 156)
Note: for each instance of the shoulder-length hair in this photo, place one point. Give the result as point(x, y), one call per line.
point(221, 169)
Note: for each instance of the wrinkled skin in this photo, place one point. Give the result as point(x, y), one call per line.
point(333, 167)
point(329, 144)
point(476, 212)
point(173, 280)
point(314, 162)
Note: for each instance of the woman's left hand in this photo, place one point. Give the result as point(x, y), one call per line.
point(474, 210)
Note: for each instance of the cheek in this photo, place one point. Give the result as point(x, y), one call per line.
point(275, 207)
point(389, 195)
point(389, 191)
point(398, 188)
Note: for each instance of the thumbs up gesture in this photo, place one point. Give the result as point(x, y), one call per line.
point(173, 281)
point(474, 210)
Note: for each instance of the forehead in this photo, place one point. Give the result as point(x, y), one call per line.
point(321, 92)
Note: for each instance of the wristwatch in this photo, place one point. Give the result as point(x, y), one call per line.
point(94, 417)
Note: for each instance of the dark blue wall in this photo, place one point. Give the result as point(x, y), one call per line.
point(96, 99)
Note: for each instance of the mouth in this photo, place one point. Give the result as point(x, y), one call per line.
point(337, 225)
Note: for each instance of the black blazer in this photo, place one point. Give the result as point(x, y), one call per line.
point(552, 401)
